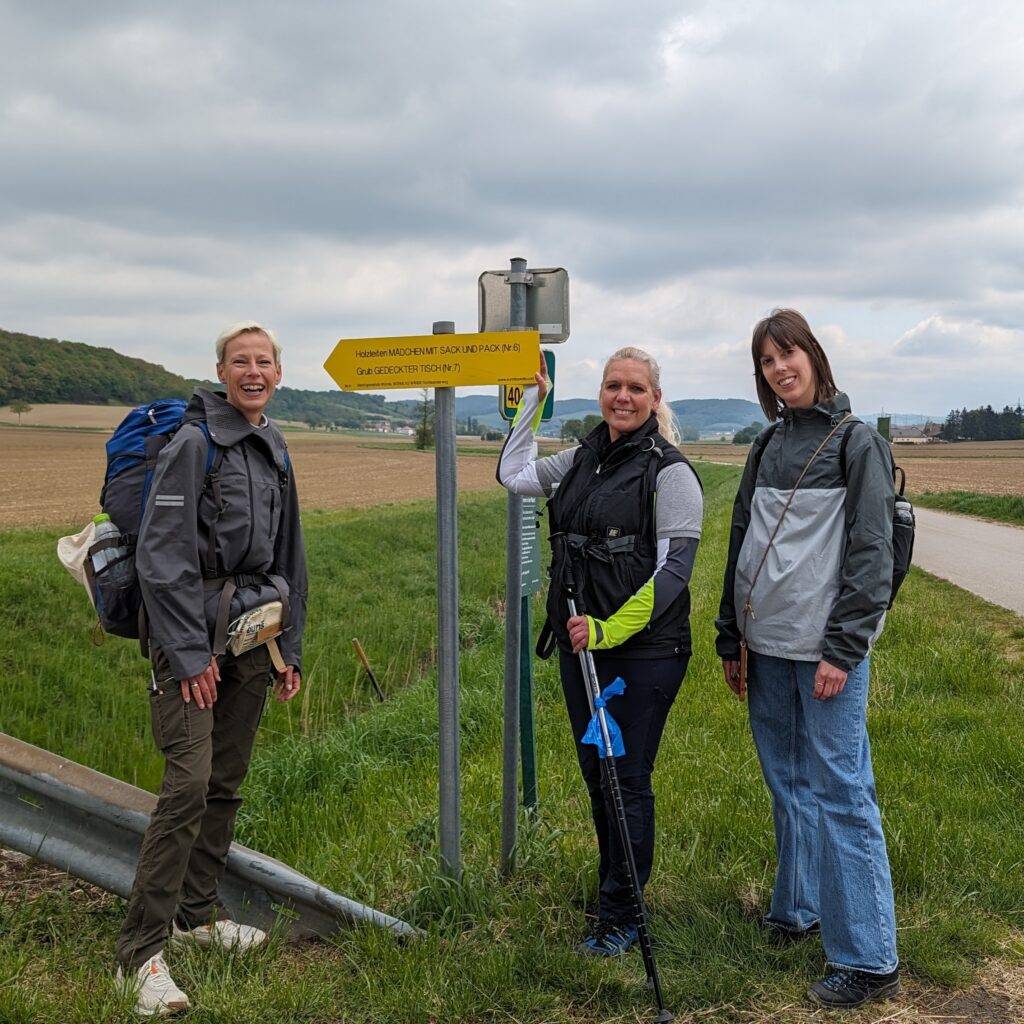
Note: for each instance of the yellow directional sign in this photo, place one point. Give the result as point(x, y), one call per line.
point(434, 360)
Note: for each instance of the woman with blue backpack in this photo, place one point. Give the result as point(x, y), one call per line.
point(808, 579)
point(222, 570)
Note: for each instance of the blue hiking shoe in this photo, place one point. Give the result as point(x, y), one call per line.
point(609, 938)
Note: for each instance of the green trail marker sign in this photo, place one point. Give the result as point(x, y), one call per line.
point(510, 395)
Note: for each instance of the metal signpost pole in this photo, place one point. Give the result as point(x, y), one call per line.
point(513, 602)
point(527, 738)
point(447, 621)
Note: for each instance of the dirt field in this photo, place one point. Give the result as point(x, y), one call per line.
point(990, 467)
point(54, 476)
point(105, 417)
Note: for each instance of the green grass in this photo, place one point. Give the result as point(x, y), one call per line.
point(1003, 508)
point(353, 803)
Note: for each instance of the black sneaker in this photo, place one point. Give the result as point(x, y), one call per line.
point(782, 935)
point(844, 988)
point(609, 938)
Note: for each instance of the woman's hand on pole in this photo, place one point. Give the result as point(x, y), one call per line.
point(579, 633)
point(828, 681)
point(288, 683)
point(731, 670)
point(541, 377)
point(203, 687)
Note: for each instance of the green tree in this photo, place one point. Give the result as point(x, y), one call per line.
point(691, 434)
point(590, 421)
point(19, 407)
point(425, 429)
point(747, 434)
point(572, 430)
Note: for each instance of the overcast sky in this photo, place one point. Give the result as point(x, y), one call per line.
point(347, 169)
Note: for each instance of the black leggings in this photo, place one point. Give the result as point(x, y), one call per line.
point(651, 687)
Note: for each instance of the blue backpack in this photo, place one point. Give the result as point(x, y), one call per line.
point(131, 460)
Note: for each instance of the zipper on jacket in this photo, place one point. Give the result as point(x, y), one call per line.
point(252, 510)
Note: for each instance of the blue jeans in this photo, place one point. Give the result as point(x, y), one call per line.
point(816, 760)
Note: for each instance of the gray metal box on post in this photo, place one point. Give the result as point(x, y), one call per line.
point(547, 302)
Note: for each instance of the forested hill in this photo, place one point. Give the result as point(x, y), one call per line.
point(46, 370)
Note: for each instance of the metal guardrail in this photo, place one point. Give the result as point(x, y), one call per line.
point(91, 826)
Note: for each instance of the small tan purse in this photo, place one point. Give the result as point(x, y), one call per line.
point(262, 625)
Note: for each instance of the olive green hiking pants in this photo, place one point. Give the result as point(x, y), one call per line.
point(206, 755)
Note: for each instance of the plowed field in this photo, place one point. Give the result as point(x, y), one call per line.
point(989, 467)
point(54, 476)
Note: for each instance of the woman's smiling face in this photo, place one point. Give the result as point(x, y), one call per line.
point(789, 374)
point(627, 397)
point(250, 373)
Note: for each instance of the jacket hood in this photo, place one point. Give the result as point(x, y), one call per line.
point(834, 408)
point(228, 426)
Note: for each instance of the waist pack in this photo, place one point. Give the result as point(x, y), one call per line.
point(132, 452)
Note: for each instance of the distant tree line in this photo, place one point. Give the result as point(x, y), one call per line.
point(984, 424)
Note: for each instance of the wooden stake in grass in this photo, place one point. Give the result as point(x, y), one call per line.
point(369, 671)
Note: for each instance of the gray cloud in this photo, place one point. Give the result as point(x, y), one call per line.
point(350, 168)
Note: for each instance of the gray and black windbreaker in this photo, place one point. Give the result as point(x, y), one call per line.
point(825, 585)
point(257, 533)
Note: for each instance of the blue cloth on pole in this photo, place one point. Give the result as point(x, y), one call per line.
point(593, 734)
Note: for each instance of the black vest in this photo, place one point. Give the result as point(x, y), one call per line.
point(603, 511)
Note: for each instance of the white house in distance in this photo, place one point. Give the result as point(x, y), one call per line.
point(927, 433)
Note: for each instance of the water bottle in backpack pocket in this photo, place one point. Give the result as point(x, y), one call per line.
point(113, 583)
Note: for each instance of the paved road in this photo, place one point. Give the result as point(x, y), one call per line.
point(984, 558)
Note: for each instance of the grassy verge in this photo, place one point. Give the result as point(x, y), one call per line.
point(1002, 508)
point(351, 799)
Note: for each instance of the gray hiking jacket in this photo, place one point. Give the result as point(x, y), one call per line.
point(258, 532)
point(826, 582)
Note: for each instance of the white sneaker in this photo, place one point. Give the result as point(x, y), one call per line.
point(156, 995)
point(225, 934)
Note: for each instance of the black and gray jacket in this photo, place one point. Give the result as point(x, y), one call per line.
point(825, 585)
point(258, 532)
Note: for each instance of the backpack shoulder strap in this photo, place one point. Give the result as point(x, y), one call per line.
point(842, 454)
point(843, 443)
point(767, 435)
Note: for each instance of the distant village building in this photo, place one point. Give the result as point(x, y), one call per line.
point(382, 425)
point(915, 434)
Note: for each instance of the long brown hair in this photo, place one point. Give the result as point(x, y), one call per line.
point(789, 330)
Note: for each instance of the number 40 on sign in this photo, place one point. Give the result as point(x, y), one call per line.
point(510, 395)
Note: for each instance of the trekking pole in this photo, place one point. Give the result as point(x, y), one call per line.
point(611, 777)
point(369, 671)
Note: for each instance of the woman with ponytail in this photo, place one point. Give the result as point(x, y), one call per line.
point(625, 510)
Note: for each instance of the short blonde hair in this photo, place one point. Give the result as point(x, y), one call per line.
point(244, 327)
point(667, 425)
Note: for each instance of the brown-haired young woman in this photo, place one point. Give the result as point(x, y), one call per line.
point(807, 583)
